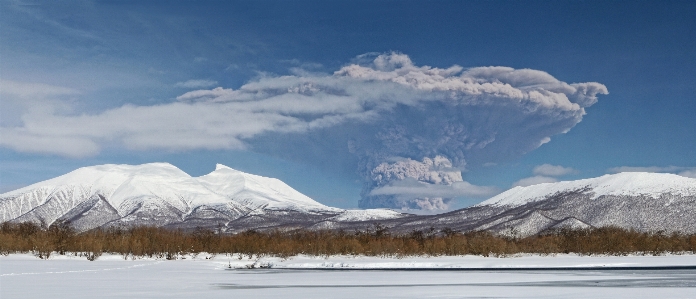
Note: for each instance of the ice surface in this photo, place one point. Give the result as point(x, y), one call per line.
point(24, 276)
point(626, 183)
point(469, 262)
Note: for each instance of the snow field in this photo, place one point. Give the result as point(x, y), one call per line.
point(25, 276)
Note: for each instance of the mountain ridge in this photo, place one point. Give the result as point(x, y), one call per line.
point(160, 194)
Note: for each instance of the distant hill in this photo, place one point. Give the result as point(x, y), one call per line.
point(641, 201)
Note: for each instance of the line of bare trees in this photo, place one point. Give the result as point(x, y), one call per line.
point(137, 242)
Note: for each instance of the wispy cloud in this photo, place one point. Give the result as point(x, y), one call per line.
point(22, 98)
point(535, 180)
point(553, 170)
point(29, 90)
point(196, 83)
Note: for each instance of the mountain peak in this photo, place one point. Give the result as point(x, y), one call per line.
point(219, 166)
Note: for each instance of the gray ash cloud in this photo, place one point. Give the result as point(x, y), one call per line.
point(409, 131)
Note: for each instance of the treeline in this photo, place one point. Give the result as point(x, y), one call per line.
point(138, 242)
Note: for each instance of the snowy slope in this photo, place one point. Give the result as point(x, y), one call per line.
point(257, 191)
point(622, 184)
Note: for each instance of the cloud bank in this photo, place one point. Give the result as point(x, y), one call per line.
point(408, 130)
point(545, 173)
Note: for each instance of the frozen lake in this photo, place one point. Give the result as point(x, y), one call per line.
point(24, 276)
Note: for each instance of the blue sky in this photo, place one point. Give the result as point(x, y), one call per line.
point(73, 70)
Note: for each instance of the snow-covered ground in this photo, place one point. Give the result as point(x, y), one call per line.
point(25, 276)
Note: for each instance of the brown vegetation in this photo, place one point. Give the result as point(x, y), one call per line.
point(170, 244)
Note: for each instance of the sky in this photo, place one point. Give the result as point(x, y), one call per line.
point(425, 106)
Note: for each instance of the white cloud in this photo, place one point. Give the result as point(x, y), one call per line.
point(196, 83)
point(552, 170)
point(215, 93)
point(682, 171)
point(535, 180)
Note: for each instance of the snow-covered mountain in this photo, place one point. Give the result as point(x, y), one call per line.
point(162, 195)
point(640, 201)
point(632, 184)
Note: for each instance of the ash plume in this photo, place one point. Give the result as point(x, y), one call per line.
point(409, 131)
